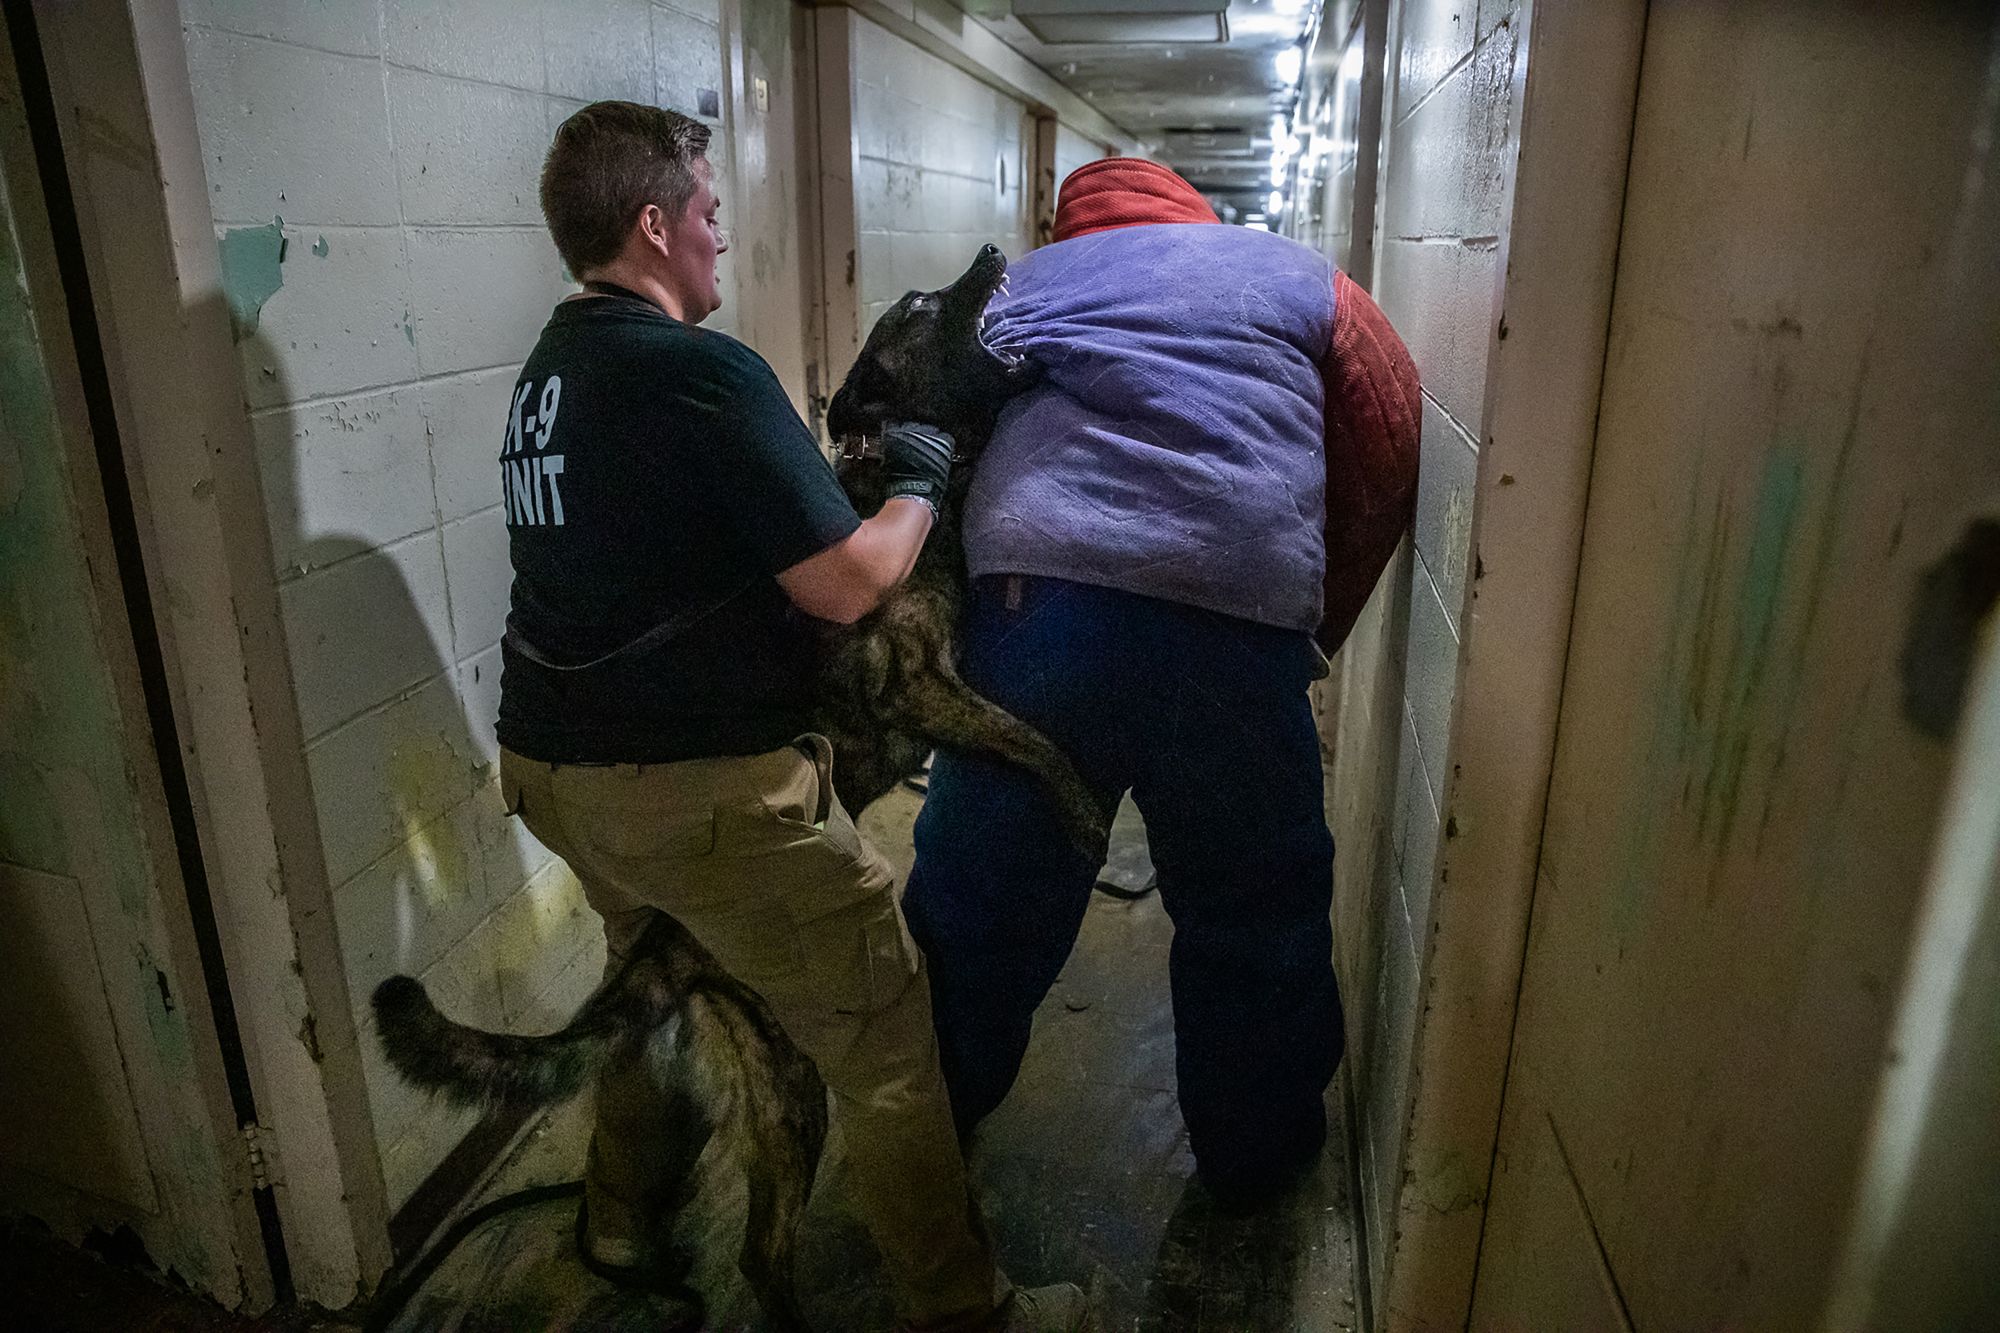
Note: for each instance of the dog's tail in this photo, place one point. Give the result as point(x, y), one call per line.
point(471, 1067)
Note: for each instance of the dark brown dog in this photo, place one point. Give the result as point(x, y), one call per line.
point(889, 694)
point(889, 689)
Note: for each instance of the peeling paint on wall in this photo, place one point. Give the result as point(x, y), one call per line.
point(252, 260)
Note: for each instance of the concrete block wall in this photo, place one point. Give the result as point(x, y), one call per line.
point(943, 169)
point(1073, 150)
point(372, 173)
point(1450, 69)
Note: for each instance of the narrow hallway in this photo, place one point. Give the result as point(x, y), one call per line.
point(1596, 403)
point(1084, 1172)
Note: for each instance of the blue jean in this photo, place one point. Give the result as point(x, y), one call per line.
point(1205, 719)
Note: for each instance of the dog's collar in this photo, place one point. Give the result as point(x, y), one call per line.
point(859, 448)
point(864, 448)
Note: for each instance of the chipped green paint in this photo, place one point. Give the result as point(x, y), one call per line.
point(321, 248)
point(252, 272)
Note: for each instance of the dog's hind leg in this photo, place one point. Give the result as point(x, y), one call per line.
point(778, 1195)
point(753, 1079)
point(673, 1150)
point(952, 713)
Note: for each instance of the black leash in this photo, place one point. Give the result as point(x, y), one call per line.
point(383, 1311)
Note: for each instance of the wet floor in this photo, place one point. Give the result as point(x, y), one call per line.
point(1083, 1174)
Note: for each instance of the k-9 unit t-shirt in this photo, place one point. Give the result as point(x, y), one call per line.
point(653, 470)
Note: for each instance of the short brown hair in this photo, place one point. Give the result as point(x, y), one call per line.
point(610, 160)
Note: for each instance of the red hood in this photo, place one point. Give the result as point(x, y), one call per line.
point(1117, 192)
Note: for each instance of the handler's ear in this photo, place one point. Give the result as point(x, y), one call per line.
point(652, 225)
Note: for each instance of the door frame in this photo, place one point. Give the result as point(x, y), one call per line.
point(132, 156)
point(1574, 98)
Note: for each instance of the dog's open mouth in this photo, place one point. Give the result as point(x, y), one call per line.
point(984, 280)
point(1006, 356)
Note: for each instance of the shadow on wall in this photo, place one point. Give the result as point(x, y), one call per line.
point(428, 875)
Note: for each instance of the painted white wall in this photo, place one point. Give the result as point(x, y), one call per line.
point(942, 164)
point(1447, 150)
point(400, 145)
point(1072, 150)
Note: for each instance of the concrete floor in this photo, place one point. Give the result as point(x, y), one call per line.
point(1083, 1174)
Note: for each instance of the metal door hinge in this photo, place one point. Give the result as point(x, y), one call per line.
point(262, 1147)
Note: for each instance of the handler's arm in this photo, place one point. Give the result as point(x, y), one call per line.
point(851, 577)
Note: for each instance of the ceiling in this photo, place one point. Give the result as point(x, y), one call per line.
point(1204, 109)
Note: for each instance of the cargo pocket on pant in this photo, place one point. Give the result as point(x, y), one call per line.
point(818, 922)
point(859, 959)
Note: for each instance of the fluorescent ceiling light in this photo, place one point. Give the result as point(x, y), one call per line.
point(1276, 203)
point(1233, 140)
point(1350, 62)
point(1060, 22)
point(1287, 63)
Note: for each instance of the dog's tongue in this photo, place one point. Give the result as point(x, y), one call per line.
point(1117, 192)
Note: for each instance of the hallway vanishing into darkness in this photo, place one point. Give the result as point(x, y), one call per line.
point(1084, 1174)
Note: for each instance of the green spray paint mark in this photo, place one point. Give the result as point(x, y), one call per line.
point(409, 329)
point(251, 272)
point(1638, 860)
point(1757, 607)
point(320, 247)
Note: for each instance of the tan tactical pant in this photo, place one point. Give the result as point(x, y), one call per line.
point(756, 857)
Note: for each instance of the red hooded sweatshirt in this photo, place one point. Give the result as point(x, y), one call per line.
point(1374, 410)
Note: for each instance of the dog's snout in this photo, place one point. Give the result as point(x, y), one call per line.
point(989, 251)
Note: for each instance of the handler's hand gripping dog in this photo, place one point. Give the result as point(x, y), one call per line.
point(916, 463)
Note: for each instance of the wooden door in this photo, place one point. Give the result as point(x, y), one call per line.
point(116, 1110)
point(1798, 417)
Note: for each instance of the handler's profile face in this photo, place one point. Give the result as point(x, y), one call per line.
point(694, 241)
